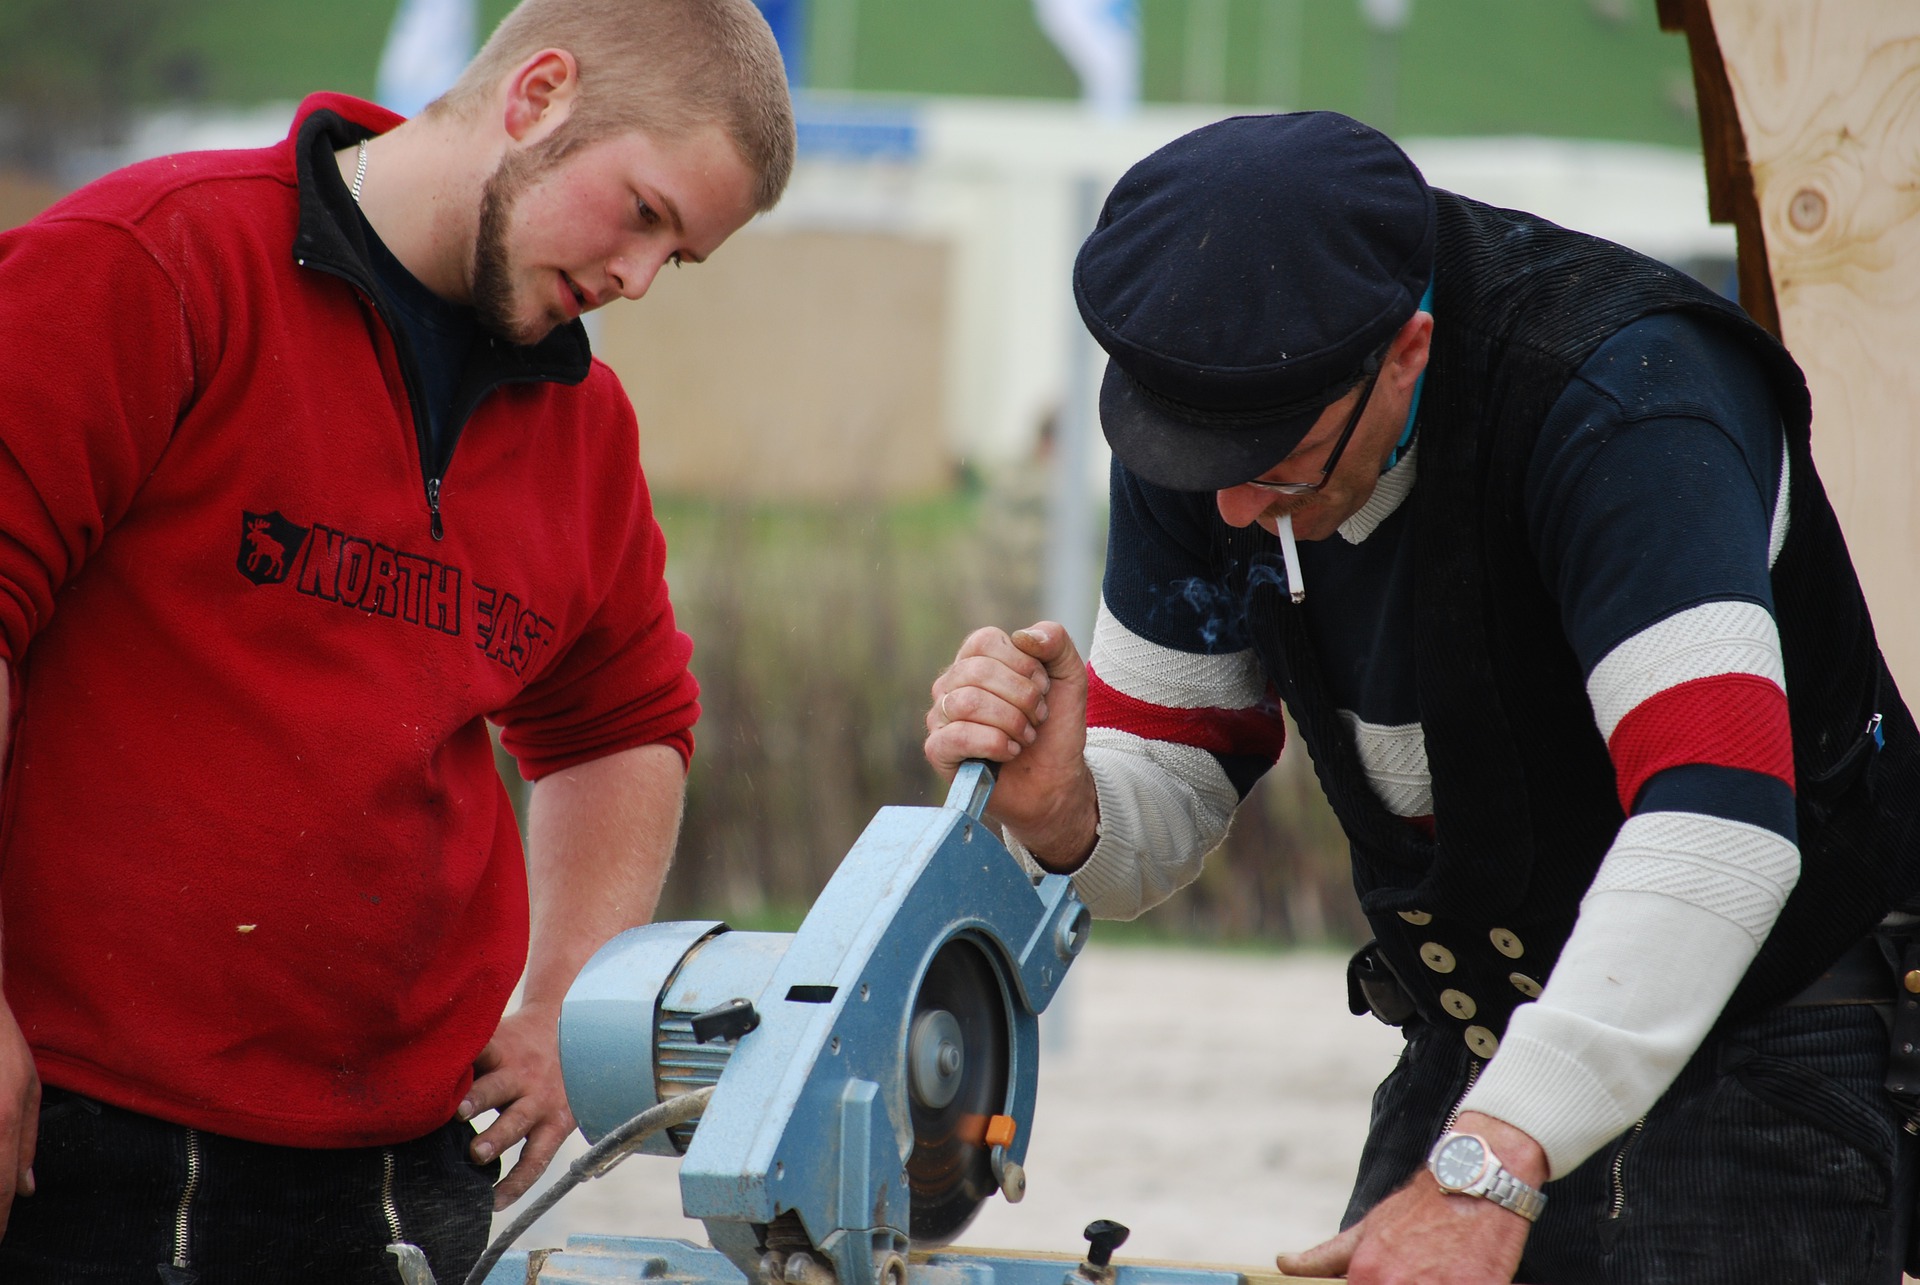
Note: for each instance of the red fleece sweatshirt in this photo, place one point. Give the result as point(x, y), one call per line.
point(259, 875)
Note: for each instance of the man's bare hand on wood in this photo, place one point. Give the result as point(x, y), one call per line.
point(1422, 1235)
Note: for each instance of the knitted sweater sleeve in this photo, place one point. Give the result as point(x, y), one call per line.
point(98, 368)
point(1657, 502)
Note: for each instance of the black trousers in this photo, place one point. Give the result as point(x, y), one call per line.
point(1776, 1157)
point(125, 1199)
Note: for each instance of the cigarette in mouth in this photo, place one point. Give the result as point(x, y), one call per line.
point(1296, 588)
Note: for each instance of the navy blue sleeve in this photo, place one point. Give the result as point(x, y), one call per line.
point(1170, 661)
point(1653, 507)
point(1160, 582)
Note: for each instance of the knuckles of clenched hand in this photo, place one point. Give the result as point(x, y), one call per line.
point(990, 703)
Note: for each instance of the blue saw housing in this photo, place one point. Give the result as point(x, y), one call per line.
point(807, 1140)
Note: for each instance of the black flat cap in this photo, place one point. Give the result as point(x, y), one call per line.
point(1238, 278)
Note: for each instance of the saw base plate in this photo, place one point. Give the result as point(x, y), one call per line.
point(631, 1260)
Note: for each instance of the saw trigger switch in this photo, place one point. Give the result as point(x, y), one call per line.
point(728, 1021)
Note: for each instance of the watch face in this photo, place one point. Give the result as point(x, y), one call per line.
point(1458, 1164)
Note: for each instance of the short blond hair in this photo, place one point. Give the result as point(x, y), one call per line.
point(665, 67)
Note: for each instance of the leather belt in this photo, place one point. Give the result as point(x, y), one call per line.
point(1860, 976)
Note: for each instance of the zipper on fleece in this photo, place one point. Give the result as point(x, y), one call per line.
point(433, 463)
point(183, 1212)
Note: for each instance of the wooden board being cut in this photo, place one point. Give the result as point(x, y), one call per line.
point(1827, 94)
point(1245, 1275)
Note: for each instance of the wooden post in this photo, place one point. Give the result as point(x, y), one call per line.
point(1810, 119)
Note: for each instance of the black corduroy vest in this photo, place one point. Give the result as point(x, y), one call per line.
point(1524, 794)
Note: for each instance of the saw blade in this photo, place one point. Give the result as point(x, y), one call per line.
point(957, 1072)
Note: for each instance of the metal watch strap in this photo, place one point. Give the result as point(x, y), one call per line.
point(1495, 1183)
point(1508, 1192)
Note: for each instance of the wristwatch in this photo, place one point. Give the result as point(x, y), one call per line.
point(1463, 1163)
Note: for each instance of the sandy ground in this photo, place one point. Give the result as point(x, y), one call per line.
point(1213, 1102)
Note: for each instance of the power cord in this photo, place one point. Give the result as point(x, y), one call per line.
point(599, 1159)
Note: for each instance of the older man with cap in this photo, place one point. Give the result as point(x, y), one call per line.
point(1576, 646)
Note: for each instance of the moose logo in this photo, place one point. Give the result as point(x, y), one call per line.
point(268, 545)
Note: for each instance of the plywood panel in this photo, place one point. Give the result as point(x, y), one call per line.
point(801, 365)
point(1828, 98)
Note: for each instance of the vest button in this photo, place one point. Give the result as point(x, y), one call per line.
point(1459, 1003)
point(1436, 957)
point(1418, 918)
point(1525, 985)
point(1912, 982)
point(1482, 1041)
point(1506, 943)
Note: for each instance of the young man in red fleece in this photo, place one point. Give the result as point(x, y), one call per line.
point(306, 474)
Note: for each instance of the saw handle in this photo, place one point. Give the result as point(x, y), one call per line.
point(972, 786)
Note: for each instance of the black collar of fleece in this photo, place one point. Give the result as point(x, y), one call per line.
point(330, 239)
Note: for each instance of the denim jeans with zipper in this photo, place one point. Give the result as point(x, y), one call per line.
point(125, 1198)
point(1776, 1156)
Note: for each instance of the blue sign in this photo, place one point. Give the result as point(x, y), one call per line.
point(864, 132)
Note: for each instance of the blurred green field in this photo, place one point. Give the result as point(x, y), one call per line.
point(1570, 68)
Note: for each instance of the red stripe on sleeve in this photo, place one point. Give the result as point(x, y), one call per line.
point(1257, 730)
point(1729, 720)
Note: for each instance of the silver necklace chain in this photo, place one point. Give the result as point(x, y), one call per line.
point(359, 172)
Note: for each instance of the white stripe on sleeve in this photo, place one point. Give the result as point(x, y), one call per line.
point(1712, 639)
point(1737, 871)
point(1396, 762)
point(1173, 679)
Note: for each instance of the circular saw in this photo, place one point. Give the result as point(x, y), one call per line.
point(957, 1072)
point(873, 1073)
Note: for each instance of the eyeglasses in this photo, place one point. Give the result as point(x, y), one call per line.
point(1372, 369)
